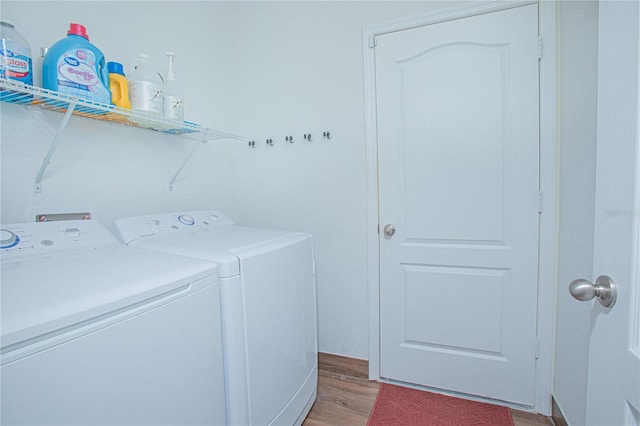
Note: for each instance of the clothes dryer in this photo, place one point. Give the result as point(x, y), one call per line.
point(95, 332)
point(267, 278)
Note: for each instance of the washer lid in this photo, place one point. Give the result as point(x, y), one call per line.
point(41, 294)
point(222, 245)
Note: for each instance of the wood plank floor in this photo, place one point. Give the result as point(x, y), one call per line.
point(346, 395)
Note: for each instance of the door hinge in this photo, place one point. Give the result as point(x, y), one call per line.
point(539, 201)
point(540, 45)
point(372, 42)
point(537, 347)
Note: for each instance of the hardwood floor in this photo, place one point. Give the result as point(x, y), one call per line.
point(346, 395)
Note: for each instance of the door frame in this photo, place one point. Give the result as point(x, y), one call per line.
point(548, 179)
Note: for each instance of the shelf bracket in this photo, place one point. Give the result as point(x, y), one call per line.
point(37, 183)
point(184, 163)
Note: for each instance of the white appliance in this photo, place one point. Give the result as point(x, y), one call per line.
point(96, 332)
point(268, 305)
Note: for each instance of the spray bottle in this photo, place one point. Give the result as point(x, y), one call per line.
point(173, 103)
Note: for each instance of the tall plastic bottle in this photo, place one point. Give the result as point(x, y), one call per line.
point(119, 85)
point(145, 93)
point(75, 66)
point(173, 101)
point(15, 57)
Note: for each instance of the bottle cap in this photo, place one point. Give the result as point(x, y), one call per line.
point(115, 67)
point(77, 29)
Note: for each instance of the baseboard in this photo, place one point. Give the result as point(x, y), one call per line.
point(556, 414)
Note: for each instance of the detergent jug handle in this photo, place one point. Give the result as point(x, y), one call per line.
point(104, 73)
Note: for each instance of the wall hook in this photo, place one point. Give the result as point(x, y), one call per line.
point(289, 139)
point(269, 142)
point(326, 135)
point(252, 144)
point(307, 137)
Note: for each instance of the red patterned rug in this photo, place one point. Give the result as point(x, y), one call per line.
point(400, 406)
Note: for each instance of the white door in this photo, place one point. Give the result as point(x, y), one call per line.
point(613, 396)
point(458, 150)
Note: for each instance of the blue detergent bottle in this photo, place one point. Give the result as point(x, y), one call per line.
point(74, 66)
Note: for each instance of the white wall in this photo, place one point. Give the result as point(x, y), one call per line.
point(577, 50)
point(258, 69)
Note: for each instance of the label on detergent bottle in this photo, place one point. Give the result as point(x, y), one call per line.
point(145, 96)
point(77, 76)
point(15, 63)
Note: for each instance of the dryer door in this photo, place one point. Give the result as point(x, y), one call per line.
point(280, 309)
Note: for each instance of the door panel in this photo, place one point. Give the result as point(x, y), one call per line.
point(465, 333)
point(613, 392)
point(458, 147)
point(475, 173)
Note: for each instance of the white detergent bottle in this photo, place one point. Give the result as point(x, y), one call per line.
point(145, 92)
point(173, 101)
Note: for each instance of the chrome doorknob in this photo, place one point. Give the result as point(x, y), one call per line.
point(389, 230)
point(604, 289)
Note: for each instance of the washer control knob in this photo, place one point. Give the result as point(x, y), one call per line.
point(8, 238)
point(185, 219)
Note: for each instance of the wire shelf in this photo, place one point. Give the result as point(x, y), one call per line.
point(18, 93)
point(23, 94)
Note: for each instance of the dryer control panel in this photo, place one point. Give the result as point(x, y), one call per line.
point(133, 228)
point(43, 237)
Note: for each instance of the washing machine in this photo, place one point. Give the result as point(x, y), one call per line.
point(95, 332)
point(267, 279)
